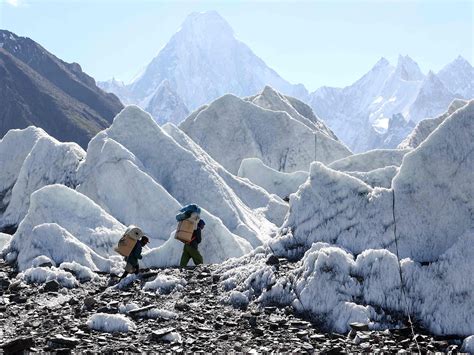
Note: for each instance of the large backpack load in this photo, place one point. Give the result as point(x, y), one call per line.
point(188, 219)
point(129, 240)
point(186, 212)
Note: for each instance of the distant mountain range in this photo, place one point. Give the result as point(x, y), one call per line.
point(201, 62)
point(360, 114)
point(204, 61)
point(37, 88)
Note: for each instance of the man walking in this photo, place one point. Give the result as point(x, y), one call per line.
point(132, 260)
point(190, 250)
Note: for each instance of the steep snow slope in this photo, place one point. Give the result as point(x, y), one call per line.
point(185, 178)
point(275, 182)
point(248, 131)
point(374, 159)
point(14, 148)
point(424, 128)
point(49, 242)
point(252, 195)
point(49, 162)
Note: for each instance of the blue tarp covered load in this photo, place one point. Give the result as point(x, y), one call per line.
point(186, 212)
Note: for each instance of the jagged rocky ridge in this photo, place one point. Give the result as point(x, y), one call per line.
point(359, 114)
point(39, 89)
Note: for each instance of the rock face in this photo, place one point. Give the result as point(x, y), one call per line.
point(396, 132)
point(247, 131)
point(39, 89)
point(205, 40)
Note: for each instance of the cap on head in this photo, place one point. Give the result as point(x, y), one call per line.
point(201, 223)
point(145, 240)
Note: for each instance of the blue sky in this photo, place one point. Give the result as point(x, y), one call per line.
point(311, 42)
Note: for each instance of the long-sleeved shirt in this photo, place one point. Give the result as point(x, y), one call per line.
point(196, 238)
point(135, 254)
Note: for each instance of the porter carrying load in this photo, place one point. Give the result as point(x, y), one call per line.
point(128, 240)
point(188, 219)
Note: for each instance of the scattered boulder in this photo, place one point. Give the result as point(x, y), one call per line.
point(17, 345)
point(51, 286)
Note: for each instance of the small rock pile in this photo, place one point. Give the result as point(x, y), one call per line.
point(49, 317)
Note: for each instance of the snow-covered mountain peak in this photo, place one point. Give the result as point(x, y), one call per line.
point(432, 81)
point(458, 77)
point(382, 62)
point(460, 61)
point(408, 69)
point(205, 24)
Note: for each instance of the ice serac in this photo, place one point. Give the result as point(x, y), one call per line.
point(166, 105)
point(48, 162)
point(72, 211)
point(113, 177)
point(248, 131)
point(188, 180)
point(275, 182)
point(434, 194)
point(336, 208)
point(343, 233)
point(14, 148)
point(271, 99)
point(204, 53)
point(458, 77)
point(371, 160)
point(252, 195)
point(49, 242)
point(424, 128)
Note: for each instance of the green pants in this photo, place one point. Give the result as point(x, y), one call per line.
point(188, 253)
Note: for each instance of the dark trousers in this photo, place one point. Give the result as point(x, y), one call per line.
point(188, 253)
